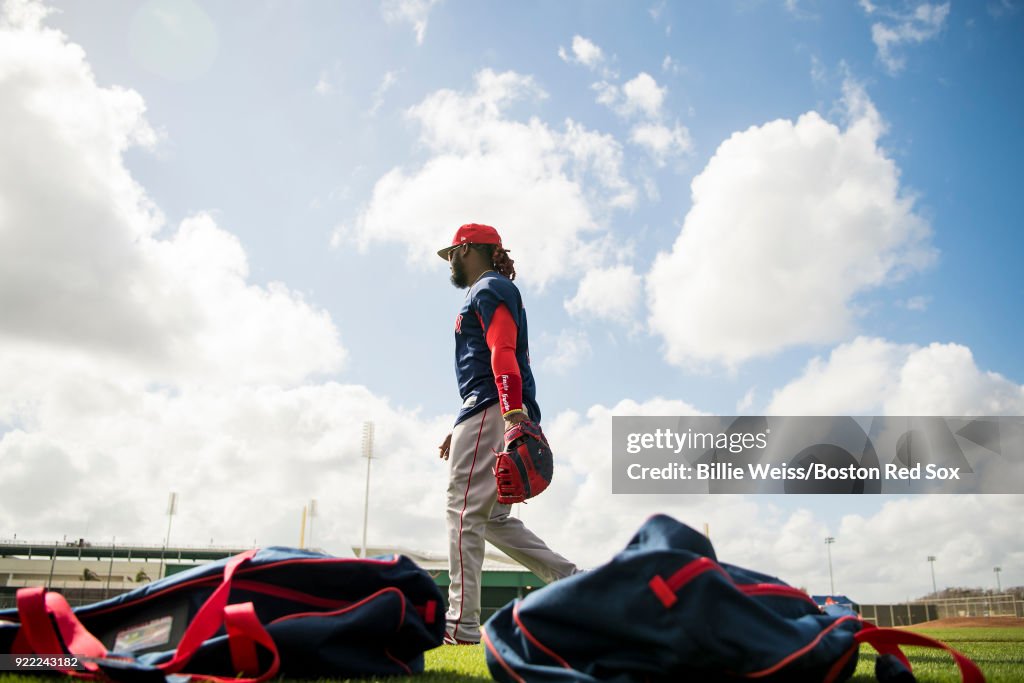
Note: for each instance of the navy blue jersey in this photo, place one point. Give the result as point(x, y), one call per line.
point(473, 358)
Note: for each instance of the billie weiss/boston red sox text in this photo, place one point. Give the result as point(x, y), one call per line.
point(739, 442)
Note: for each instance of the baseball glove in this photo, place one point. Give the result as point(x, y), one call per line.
point(523, 470)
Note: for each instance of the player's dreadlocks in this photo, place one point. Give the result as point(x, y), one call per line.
point(500, 260)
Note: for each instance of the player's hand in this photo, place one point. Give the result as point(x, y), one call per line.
point(445, 445)
point(514, 419)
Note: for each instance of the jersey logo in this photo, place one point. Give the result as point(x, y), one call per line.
point(458, 324)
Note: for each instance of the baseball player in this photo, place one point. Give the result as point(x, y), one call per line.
point(492, 366)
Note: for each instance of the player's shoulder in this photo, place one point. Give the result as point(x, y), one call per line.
point(494, 284)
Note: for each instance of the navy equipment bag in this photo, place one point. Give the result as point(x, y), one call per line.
point(664, 609)
point(259, 614)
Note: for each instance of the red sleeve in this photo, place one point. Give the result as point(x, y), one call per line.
point(501, 339)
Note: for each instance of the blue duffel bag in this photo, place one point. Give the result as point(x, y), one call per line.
point(259, 614)
point(664, 609)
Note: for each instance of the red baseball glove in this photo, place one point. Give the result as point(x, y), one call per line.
point(523, 470)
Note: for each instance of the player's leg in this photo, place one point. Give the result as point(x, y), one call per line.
point(510, 536)
point(471, 493)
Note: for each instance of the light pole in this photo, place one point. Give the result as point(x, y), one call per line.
point(999, 586)
point(312, 513)
point(172, 508)
point(828, 547)
point(368, 454)
point(110, 568)
point(935, 590)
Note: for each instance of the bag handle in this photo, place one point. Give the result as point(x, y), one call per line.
point(245, 632)
point(51, 627)
point(885, 640)
point(888, 641)
point(665, 589)
point(208, 619)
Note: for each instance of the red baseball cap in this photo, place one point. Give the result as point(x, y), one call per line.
point(471, 233)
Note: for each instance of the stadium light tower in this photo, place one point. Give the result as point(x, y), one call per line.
point(828, 547)
point(172, 509)
point(312, 513)
point(999, 585)
point(935, 590)
point(368, 454)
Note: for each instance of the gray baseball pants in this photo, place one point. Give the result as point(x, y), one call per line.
point(474, 515)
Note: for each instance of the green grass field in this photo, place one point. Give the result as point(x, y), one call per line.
point(998, 651)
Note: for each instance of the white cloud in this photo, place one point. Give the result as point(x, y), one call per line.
point(388, 82)
point(907, 531)
point(587, 53)
point(80, 264)
point(656, 13)
point(133, 364)
point(95, 448)
point(916, 303)
point(413, 12)
point(871, 376)
point(597, 157)
point(802, 10)
point(608, 94)
point(544, 190)
point(790, 221)
point(661, 141)
point(651, 189)
point(323, 85)
point(643, 95)
point(901, 28)
point(747, 402)
point(339, 234)
point(607, 293)
point(584, 52)
point(25, 14)
point(569, 349)
point(819, 74)
point(642, 98)
point(757, 532)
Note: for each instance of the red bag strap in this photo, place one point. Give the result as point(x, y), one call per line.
point(49, 626)
point(75, 635)
point(245, 632)
point(243, 648)
point(35, 622)
point(208, 619)
point(888, 640)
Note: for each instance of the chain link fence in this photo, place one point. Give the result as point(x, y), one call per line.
point(907, 614)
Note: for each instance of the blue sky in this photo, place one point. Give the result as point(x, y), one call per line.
point(219, 223)
point(282, 165)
